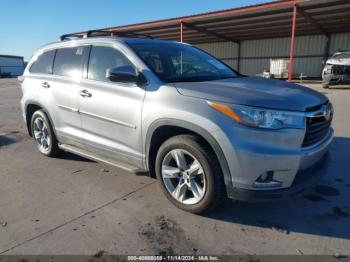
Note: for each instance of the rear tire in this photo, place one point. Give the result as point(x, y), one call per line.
point(43, 134)
point(189, 174)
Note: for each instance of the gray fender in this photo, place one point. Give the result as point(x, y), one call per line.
point(199, 130)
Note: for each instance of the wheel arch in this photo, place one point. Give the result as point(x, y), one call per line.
point(30, 108)
point(182, 127)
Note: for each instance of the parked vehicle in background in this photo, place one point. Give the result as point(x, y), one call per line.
point(337, 70)
point(11, 66)
point(205, 131)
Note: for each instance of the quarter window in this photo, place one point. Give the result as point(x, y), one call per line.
point(43, 65)
point(103, 58)
point(69, 61)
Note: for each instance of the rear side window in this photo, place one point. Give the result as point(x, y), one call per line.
point(43, 65)
point(103, 58)
point(69, 61)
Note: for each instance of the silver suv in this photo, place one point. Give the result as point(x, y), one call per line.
point(205, 131)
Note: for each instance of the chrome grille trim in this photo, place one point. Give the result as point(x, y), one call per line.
point(318, 124)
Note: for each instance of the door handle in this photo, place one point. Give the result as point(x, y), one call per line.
point(45, 85)
point(85, 93)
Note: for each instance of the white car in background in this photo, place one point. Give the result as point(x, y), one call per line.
point(337, 69)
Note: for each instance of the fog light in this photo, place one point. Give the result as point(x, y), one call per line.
point(266, 180)
point(265, 177)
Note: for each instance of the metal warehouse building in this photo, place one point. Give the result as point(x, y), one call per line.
point(304, 32)
point(11, 65)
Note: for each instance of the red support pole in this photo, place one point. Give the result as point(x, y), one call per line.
point(181, 31)
point(292, 42)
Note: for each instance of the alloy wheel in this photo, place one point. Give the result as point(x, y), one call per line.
point(42, 135)
point(183, 177)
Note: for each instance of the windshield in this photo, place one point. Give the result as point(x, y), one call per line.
point(342, 56)
point(175, 62)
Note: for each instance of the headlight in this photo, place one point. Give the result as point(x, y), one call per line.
point(328, 68)
point(259, 117)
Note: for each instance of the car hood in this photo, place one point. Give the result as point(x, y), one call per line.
point(336, 61)
point(254, 91)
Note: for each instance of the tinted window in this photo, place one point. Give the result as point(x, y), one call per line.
point(342, 56)
point(153, 60)
point(174, 62)
point(43, 65)
point(103, 58)
point(69, 61)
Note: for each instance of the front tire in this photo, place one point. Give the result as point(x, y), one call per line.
point(325, 86)
point(189, 174)
point(43, 134)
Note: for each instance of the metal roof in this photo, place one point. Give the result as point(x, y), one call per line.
point(11, 56)
point(268, 20)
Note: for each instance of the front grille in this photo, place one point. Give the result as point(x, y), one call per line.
point(316, 129)
point(341, 69)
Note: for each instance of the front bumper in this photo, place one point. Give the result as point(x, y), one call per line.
point(304, 179)
point(333, 79)
point(251, 152)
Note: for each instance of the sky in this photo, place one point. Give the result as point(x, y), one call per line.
point(25, 25)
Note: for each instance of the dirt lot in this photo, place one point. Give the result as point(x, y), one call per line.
point(71, 205)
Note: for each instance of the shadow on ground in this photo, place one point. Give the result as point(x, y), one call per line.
point(322, 210)
point(9, 138)
point(6, 141)
point(73, 157)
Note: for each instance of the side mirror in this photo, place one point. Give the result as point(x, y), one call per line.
point(125, 74)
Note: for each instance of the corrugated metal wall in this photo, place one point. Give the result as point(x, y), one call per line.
point(340, 41)
point(256, 54)
point(226, 51)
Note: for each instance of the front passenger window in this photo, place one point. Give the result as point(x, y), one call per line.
point(103, 58)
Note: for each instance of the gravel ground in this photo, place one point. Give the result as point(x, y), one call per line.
point(71, 205)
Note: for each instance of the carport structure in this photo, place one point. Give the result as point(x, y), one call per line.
point(285, 18)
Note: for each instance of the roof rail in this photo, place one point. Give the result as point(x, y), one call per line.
point(91, 33)
point(96, 33)
point(69, 36)
point(114, 34)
